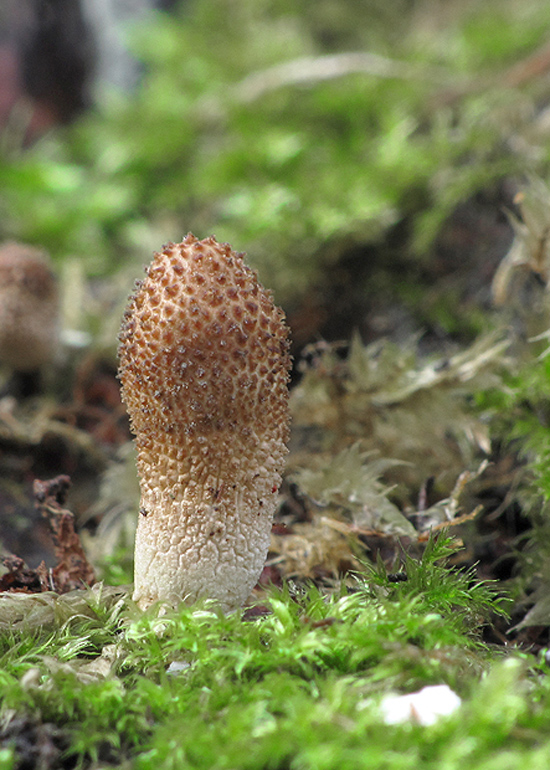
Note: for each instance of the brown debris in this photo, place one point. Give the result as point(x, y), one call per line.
point(19, 578)
point(96, 407)
point(72, 569)
point(35, 744)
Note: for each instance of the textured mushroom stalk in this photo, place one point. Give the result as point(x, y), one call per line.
point(204, 369)
point(29, 308)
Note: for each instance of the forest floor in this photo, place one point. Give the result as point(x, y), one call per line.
point(395, 205)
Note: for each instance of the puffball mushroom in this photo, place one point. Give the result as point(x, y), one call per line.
point(29, 308)
point(204, 367)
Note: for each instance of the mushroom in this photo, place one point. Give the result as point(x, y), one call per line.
point(29, 308)
point(204, 367)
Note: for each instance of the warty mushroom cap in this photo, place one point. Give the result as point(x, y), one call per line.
point(29, 308)
point(204, 369)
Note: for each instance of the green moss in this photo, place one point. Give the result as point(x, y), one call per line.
point(220, 137)
point(195, 688)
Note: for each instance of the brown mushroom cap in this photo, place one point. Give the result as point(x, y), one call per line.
point(204, 368)
point(29, 308)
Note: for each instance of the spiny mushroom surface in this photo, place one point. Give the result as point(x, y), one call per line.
point(29, 308)
point(204, 369)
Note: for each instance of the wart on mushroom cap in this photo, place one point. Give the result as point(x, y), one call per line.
point(204, 369)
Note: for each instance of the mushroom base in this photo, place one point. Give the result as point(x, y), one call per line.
point(185, 553)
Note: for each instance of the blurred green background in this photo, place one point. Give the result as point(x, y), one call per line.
point(297, 131)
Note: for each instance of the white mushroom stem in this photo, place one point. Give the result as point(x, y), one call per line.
point(204, 369)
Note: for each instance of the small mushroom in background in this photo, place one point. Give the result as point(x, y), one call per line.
point(29, 312)
point(204, 367)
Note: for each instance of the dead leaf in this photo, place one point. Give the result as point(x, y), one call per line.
point(19, 578)
point(73, 569)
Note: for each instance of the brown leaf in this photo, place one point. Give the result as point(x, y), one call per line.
point(73, 569)
point(19, 578)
